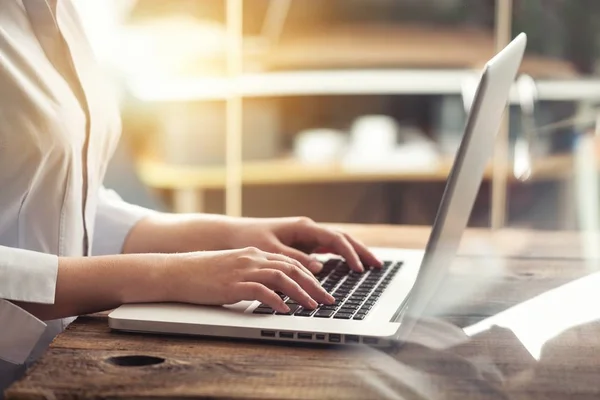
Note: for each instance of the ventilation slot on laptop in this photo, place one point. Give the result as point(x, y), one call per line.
point(305, 336)
point(351, 338)
point(286, 335)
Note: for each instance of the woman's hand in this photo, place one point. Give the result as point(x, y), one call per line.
point(299, 237)
point(229, 276)
point(296, 237)
point(91, 284)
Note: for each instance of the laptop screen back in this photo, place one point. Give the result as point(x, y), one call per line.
point(467, 173)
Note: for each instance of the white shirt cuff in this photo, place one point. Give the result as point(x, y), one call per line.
point(27, 276)
point(19, 334)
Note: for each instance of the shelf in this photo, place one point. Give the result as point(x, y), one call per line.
point(293, 83)
point(160, 175)
point(366, 58)
point(343, 82)
point(418, 45)
point(568, 90)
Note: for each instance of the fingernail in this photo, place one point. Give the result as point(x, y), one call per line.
point(313, 304)
point(330, 298)
point(285, 309)
point(315, 266)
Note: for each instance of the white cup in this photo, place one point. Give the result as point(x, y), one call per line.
point(374, 135)
point(319, 145)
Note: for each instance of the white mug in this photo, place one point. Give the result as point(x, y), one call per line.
point(374, 135)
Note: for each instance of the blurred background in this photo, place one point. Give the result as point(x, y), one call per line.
point(352, 110)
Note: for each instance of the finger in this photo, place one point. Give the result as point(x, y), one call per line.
point(287, 259)
point(339, 244)
point(310, 285)
point(323, 250)
point(306, 260)
point(277, 280)
point(299, 274)
point(255, 291)
point(363, 252)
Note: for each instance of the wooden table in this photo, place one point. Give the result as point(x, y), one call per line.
point(493, 272)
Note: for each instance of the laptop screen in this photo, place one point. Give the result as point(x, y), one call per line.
point(467, 173)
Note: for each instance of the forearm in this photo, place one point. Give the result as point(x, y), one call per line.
point(91, 284)
point(173, 233)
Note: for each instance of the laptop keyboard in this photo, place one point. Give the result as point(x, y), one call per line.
point(355, 293)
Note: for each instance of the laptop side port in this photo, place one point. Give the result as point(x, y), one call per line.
point(351, 339)
point(335, 338)
point(305, 336)
point(286, 335)
point(320, 336)
point(267, 333)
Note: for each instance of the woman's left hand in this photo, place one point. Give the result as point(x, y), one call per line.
point(298, 237)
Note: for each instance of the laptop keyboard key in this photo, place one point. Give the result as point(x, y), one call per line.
point(344, 268)
point(341, 315)
point(304, 312)
point(293, 308)
point(263, 310)
point(324, 313)
point(359, 317)
point(353, 301)
point(330, 265)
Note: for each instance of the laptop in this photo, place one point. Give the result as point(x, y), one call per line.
point(379, 306)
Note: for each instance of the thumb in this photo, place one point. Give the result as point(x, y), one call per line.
point(309, 262)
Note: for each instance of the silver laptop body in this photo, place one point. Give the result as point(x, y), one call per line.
point(381, 300)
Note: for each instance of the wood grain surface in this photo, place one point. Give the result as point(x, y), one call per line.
point(89, 361)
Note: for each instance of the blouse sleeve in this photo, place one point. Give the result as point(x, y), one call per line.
point(114, 219)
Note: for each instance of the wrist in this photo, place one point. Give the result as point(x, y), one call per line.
point(228, 229)
point(180, 233)
point(176, 273)
point(166, 277)
point(151, 279)
point(209, 233)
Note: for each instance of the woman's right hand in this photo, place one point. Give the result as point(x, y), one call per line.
point(230, 276)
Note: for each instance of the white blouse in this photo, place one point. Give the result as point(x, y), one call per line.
point(59, 126)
